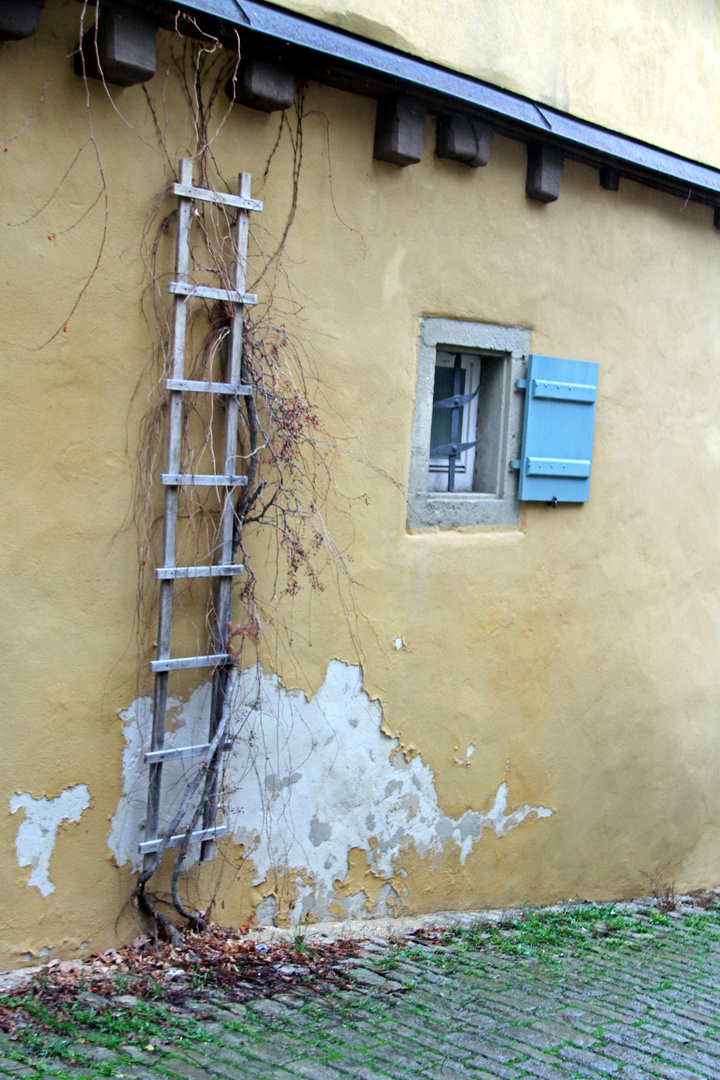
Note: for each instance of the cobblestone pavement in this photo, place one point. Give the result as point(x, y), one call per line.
point(639, 1002)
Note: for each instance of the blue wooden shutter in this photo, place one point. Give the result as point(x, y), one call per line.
point(558, 431)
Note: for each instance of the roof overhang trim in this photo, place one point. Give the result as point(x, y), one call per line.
point(335, 56)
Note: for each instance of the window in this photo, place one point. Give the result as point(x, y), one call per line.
point(462, 369)
point(478, 364)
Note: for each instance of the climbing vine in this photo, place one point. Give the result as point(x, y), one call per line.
point(281, 529)
point(285, 449)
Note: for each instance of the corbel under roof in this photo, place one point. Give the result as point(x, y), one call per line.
point(326, 54)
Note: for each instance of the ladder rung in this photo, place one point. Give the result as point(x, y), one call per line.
point(219, 197)
point(216, 660)
point(233, 389)
point(166, 573)
point(152, 756)
point(207, 293)
point(212, 480)
point(215, 833)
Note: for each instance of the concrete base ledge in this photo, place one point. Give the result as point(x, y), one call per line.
point(384, 930)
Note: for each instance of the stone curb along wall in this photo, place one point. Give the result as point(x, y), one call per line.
point(532, 715)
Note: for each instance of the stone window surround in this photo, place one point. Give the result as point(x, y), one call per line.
point(444, 510)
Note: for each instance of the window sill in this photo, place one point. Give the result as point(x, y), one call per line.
point(432, 510)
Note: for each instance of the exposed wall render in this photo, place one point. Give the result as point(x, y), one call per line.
point(189, 722)
point(37, 835)
point(307, 782)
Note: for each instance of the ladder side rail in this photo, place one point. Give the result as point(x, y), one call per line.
point(223, 685)
point(174, 439)
point(223, 678)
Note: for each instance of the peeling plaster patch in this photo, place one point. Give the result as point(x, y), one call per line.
point(356, 906)
point(37, 834)
point(360, 906)
point(388, 902)
point(311, 780)
point(304, 902)
point(265, 911)
point(128, 822)
point(468, 754)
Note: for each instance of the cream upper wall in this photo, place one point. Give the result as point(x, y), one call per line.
point(647, 68)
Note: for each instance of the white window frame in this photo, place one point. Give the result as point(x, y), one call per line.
point(508, 349)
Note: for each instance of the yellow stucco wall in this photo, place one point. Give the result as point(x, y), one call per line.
point(648, 69)
point(578, 651)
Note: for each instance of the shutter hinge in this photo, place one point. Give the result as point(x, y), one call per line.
point(521, 384)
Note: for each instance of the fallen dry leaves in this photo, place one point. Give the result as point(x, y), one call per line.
point(212, 963)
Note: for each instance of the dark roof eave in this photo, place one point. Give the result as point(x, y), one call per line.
point(335, 56)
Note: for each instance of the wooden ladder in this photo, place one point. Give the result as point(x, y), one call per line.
point(223, 571)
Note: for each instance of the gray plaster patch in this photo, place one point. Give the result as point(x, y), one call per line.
point(356, 906)
point(265, 911)
point(37, 834)
point(307, 782)
point(188, 725)
point(320, 831)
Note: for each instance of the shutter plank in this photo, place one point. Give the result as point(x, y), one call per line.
point(566, 470)
point(558, 431)
point(564, 391)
